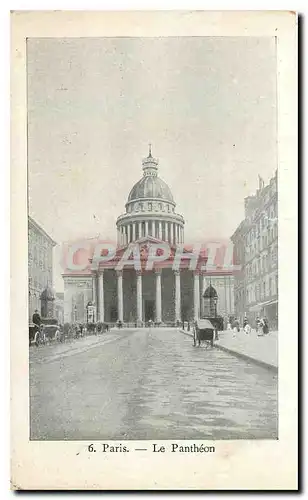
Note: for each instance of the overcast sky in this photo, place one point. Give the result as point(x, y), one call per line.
point(207, 105)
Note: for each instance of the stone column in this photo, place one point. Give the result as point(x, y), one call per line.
point(177, 296)
point(67, 303)
point(139, 297)
point(134, 231)
point(172, 232)
point(94, 298)
point(120, 295)
point(146, 228)
point(204, 284)
point(196, 295)
point(160, 231)
point(101, 297)
point(129, 233)
point(140, 230)
point(203, 288)
point(158, 295)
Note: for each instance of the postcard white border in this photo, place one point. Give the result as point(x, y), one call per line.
point(236, 464)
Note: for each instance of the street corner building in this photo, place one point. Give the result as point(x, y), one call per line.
point(162, 295)
point(40, 275)
point(256, 251)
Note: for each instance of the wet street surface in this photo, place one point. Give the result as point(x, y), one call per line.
point(148, 384)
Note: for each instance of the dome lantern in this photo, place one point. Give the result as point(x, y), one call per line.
point(150, 164)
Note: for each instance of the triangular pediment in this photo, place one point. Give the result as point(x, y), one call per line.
point(143, 242)
point(148, 239)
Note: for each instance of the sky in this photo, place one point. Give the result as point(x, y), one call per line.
point(207, 105)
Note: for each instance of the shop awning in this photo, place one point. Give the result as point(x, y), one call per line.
point(271, 302)
point(260, 306)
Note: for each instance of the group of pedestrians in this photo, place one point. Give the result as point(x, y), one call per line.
point(262, 327)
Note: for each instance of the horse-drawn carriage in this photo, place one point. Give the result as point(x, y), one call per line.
point(52, 333)
point(48, 331)
point(35, 336)
point(203, 331)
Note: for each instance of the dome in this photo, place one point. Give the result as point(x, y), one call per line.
point(47, 294)
point(151, 187)
point(210, 293)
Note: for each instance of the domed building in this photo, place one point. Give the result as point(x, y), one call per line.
point(164, 294)
point(150, 209)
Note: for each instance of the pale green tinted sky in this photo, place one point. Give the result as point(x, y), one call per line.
point(208, 105)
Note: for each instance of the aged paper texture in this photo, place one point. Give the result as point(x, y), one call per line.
point(153, 250)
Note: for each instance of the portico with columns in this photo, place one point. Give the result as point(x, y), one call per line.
point(162, 295)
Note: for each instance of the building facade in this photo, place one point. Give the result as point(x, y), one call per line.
point(59, 307)
point(40, 250)
point(162, 295)
point(256, 250)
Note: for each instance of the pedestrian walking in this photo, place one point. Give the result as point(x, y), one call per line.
point(265, 327)
point(247, 328)
point(236, 327)
point(258, 326)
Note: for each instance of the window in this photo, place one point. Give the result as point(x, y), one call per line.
point(150, 207)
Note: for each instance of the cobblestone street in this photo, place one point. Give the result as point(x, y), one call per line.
point(148, 384)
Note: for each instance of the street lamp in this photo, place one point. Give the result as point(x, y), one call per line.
point(215, 312)
point(75, 313)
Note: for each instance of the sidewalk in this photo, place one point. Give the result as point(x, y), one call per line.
point(262, 350)
point(54, 351)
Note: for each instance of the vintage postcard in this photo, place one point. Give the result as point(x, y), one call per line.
point(154, 194)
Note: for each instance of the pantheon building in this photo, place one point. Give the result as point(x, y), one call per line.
point(162, 295)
